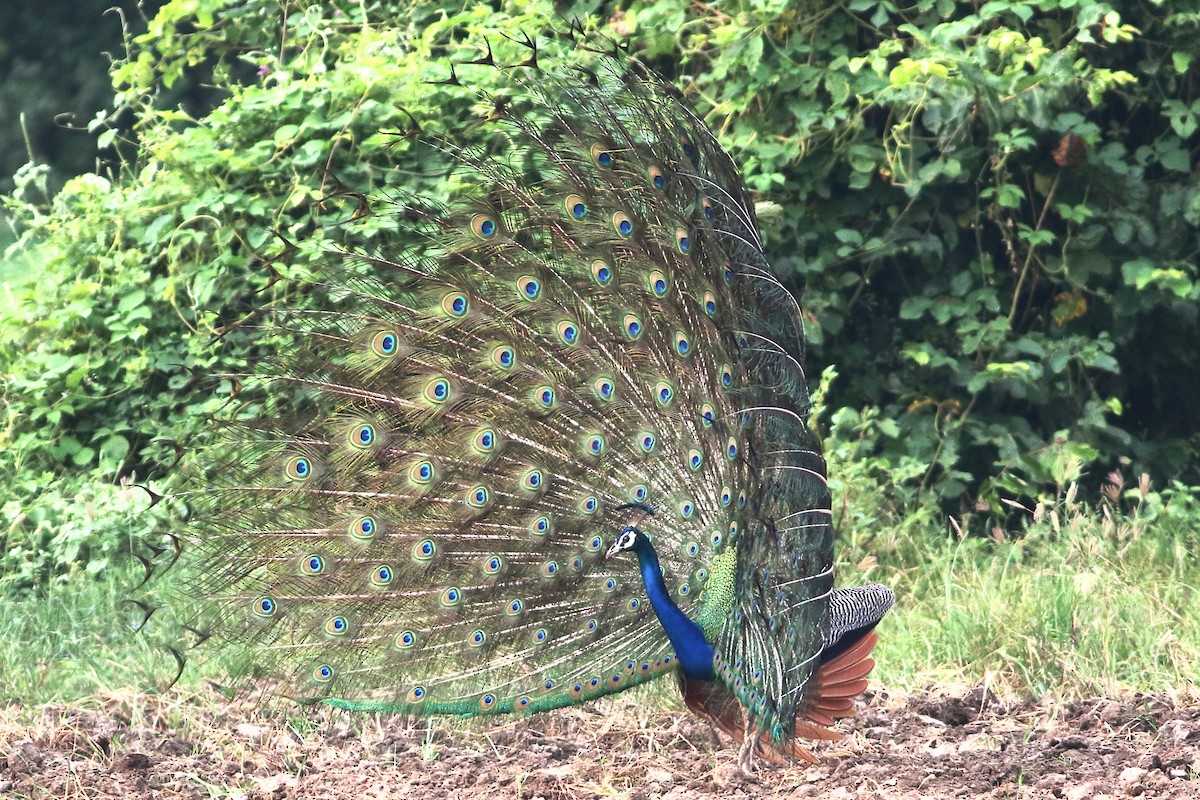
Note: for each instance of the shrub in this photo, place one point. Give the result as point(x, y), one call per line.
point(993, 206)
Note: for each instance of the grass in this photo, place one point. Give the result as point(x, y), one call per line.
point(71, 641)
point(1076, 599)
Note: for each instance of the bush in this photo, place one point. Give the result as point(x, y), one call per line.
point(77, 528)
point(993, 206)
point(995, 209)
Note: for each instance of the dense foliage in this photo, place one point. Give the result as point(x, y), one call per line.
point(993, 207)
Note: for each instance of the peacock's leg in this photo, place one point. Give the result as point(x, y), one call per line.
point(746, 754)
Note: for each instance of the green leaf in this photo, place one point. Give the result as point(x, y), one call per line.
point(848, 236)
point(913, 307)
point(131, 300)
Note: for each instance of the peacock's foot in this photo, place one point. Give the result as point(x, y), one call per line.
point(746, 756)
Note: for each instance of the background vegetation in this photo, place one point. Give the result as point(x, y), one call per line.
point(993, 209)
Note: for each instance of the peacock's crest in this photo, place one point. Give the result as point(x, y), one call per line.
point(424, 491)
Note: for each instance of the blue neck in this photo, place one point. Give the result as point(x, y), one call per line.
point(694, 653)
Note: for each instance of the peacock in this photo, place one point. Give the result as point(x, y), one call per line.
point(545, 439)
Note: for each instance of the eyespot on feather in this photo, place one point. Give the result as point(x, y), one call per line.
point(385, 344)
point(423, 472)
point(622, 224)
point(298, 469)
point(605, 388)
point(602, 154)
point(601, 272)
point(265, 607)
point(504, 357)
point(532, 480)
point(632, 326)
point(424, 550)
point(484, 442)
point(484, 226)
point(478, 497)
point(364, 528)
point(683, 242)
point(657, 281)
point(455, 304)
point(726, 376)
point(438, 391)
point(544, 397)
point(683, 345)
point(362, 436)
point(529, 287)
point(658, 178)
point(664, 393)
point(576, 206)
point(568, 332)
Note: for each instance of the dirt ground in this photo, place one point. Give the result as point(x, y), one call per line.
point(962, 744)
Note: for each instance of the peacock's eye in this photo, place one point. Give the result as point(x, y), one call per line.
point(602, 154)
point(683, 242)
point(484, 226)
point(576, 206)
point(622, 224)
point(601, 272)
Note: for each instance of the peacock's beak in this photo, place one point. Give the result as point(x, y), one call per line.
point(616, 548)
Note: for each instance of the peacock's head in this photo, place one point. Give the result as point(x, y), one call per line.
point(630, 538)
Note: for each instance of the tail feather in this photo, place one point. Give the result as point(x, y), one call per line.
point(856, 671)
point(838, 682)
point(850, 689)
point(851, 660)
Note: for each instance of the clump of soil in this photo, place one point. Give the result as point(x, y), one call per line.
point(924, 746)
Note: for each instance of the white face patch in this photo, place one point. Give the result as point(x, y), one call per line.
point(624, 542)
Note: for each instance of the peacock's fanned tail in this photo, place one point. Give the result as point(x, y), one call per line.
point(414, 506)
